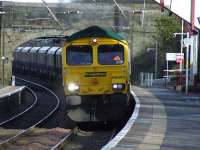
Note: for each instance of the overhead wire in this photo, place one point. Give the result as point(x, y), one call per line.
point(52, 14)
point(120, 9)
point(100, 7)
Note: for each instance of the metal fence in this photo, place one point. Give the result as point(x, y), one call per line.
point(146, 79)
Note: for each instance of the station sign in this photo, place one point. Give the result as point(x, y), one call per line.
point(171, 56)
point(178, 57)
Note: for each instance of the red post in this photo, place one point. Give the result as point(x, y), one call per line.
point(162, 5)
point(192, 13)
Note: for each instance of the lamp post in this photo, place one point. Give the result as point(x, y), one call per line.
point(156, 58)
point(2, 41)
point(187, 43)
point(175, 34)
point(187, 62)
point(131, 34)
point(181, 63)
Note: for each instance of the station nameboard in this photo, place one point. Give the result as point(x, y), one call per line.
point(175, 57)
point(171, 56)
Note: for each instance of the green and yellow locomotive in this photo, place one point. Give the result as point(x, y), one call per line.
point(96, 71)
point(93, 65)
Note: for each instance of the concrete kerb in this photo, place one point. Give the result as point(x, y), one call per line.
point(111, 144)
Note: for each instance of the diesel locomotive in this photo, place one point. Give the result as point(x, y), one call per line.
point(93, 65)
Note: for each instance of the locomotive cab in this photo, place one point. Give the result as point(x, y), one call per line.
point(96, 69)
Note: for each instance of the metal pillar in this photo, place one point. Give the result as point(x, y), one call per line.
point(181, 64)
point(156, 60)
point(192, 13)
point(187, 67)
point(1, 8)
point(3, 59)
point(167, 70)
point(1, 43)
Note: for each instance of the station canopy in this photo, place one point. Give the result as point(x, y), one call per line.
point(95, 31)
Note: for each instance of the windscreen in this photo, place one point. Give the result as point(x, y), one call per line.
point(79, 55)
point(111, 54)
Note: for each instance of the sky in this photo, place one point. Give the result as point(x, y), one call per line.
point(39, 1)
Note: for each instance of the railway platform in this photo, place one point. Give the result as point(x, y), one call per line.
point(11, 91)
point(163, 119)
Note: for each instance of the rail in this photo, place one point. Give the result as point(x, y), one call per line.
point(39, 122)
point(62, 141)
point(28, 109)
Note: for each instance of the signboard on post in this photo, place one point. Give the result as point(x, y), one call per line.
point(171, 56)
point(179, 58)
point(174, 56)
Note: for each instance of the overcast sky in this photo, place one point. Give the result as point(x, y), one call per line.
point(39, 1)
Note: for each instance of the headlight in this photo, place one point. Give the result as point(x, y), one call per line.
point(118, 86)
point(73, 87)
point(114, 86)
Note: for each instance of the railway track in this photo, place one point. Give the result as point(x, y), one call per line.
point(24, 126)
point(95, 136)
point(88, 139)
point(23, 112)
point(35, 137)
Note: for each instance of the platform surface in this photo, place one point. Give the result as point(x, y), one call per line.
point(9, 90)
point(167, 120)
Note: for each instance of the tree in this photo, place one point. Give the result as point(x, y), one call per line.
point(145, 61)
point(165, 27)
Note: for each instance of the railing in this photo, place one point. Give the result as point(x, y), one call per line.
point(146, 79)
